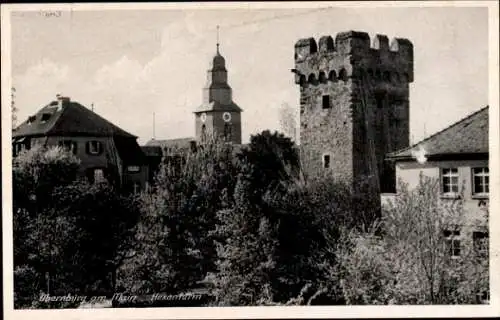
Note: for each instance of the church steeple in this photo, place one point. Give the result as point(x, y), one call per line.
point(218, 113)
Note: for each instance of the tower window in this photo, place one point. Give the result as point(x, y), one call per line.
point(332, 76)
point(203, 132)
point(227, 132)
point(343, 74)
point(326, 161)
point(326, 102)
point(322, 77)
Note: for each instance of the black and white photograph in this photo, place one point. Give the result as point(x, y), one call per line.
point(187, 159)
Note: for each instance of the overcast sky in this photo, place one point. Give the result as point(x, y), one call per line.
point(132, 63)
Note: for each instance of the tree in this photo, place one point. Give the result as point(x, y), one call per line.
point(69, 236)
point(413, 255)
point(274, 159)
point(35, 175)
point(173, 248)
point(246, 245)
point(271, 239)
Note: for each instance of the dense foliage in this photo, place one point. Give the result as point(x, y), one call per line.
point(69, 236)
point(244, 224)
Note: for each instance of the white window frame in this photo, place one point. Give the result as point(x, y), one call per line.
point(99, 178)
point(483, 174)
point(450, 174)
point(133, 169)
point(94, 143)
point(480, 243)
point(453, 242)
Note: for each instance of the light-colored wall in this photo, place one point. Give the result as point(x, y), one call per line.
point(409, 172)
point(103, 160)
point(87, 160)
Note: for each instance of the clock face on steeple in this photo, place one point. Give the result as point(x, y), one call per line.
point(203, 117)
point(226, 116)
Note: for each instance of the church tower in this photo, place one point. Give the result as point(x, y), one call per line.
point(218, 114)
point(354, 105)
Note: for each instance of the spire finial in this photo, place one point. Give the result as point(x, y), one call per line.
point(217, 39)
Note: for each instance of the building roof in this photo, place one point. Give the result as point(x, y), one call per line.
point(468, 136)
point(66, 119)
point(217, 106)
point(151, 151)
point(171, 143)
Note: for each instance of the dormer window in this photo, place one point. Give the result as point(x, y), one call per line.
point(94, 147)
point(45, 117)
point(31, 119)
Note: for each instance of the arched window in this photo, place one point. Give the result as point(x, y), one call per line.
point(312, 78)
point(343, 74)
point(227, 132)
point(332, 76)
point(322, 77)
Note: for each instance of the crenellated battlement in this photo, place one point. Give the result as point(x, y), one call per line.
point(352, 54)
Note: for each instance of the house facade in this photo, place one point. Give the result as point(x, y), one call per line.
point(106, 152)
point(456, 157)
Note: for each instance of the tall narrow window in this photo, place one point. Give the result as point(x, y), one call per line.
point(452, 239)
point(99, 176)
point(326, 161)
point(203, 132)
point(480, 241)
point(481, 181)
point(227, 131)
point(326, 102)
point(449, 181)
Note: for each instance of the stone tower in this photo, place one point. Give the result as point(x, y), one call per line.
point(218, 114)
point(354, 105)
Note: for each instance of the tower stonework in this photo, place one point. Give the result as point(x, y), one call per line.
point(218, 114)
point(354, 105)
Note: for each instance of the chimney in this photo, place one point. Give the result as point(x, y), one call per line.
point(61, 101)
